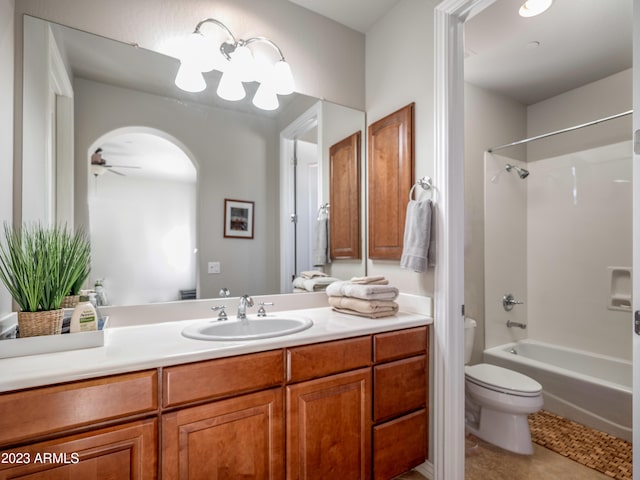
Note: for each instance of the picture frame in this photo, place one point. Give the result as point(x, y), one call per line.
point(238, 218)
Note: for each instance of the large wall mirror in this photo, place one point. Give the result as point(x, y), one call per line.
point(154, 206)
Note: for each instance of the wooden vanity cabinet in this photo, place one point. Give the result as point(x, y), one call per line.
point(354, 408)
point(104, 428)
point(241, 437)
point(400, 413)
point(328, 419)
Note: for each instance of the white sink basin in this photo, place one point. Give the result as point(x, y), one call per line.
point(254, 329)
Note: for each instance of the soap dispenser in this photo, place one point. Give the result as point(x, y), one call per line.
point(84, 318)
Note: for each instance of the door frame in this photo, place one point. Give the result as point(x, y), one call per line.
point(305, 122)
point(448, 418)
point(636, 240)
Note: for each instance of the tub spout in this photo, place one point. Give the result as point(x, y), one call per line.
point(515, 324)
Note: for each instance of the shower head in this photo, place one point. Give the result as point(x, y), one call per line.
point(522, 173)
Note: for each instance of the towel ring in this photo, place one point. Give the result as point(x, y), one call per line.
point(425, 182)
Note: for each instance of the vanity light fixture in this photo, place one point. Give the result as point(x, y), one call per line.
point(233, 57)
point(531, 8)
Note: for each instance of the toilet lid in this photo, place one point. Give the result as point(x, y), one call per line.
point(502, 379)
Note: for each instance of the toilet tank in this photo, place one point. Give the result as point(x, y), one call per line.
point(469, 334)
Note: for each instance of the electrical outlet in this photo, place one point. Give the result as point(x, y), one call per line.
point(213, 267)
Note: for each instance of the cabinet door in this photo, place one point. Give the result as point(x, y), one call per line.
point(344, 195)
point(390, 179)
point(122, 452)
point(329, 427)
point(231, 439)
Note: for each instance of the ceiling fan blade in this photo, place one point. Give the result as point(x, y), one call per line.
point(117, 173)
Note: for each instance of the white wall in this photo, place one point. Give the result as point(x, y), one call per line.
point(236, 158)
point(6, 126)
point(399, 70)
point(608, 96)
point(143, 236)
point(490, 120)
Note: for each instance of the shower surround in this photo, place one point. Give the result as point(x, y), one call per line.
point(560, 241)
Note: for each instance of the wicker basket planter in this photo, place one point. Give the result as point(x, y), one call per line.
point(70, 301)
point(33, 324)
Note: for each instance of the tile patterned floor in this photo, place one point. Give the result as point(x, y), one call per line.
point(562, 449)
point(598, 450)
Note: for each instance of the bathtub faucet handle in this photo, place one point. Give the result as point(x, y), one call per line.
point(516, 324)
point(508, 301)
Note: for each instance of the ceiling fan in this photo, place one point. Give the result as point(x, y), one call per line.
point(99, 165)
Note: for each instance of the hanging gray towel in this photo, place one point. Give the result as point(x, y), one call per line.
point(321, 244)
point(417, 236)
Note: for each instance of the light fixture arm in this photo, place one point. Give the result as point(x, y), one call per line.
point(267, 41)
point(219, 24)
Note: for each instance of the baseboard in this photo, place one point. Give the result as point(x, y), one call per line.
point(425, 469)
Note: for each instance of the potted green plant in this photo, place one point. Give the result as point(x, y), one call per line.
point(71, 299)
point(39, 266)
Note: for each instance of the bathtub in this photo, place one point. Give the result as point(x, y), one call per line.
point(588, 388)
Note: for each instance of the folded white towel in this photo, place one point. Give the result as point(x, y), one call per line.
point(372, 280)
point(364, 306)
point(321, 245)
point(417, 235)
point(313, 284)
point(365, 292)
point(372, 315)
point(312, 274)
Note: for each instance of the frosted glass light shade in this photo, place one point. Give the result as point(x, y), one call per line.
point(242, 64)
point(230, 87)
point(283, 78)
point(531, 8)
point(190, 79)
point(265, 98)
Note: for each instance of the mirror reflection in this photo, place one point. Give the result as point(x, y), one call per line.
point(153, 201)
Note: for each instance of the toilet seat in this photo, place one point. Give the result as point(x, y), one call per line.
point(502, 380)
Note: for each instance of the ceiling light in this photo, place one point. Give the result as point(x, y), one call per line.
point(235, 59)
point(531, 8)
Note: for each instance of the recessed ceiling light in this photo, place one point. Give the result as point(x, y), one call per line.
point(531, 8)
point(533, 44)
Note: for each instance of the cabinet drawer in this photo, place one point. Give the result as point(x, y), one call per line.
point(127, 451)
point(399, 387)
point(220, 378)
point(399, 344)
point(42, 411)
point(399, 445)
point(322, 359)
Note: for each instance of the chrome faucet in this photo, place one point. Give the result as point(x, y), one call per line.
point(245, 301)
point(508, 301)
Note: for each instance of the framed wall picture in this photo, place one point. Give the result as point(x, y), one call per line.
point(238, 218)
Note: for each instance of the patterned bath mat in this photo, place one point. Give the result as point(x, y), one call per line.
point(592, 448)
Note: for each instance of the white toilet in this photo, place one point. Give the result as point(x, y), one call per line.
point(498, 400)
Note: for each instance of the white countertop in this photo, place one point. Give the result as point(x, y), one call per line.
point(152, 345)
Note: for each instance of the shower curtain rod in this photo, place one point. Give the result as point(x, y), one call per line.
point(564, 130)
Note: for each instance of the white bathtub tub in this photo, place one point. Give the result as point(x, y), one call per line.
point(591, 389)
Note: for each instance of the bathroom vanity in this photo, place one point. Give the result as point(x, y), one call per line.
point(346, 398)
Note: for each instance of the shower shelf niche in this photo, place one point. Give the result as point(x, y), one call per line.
point(620, 292)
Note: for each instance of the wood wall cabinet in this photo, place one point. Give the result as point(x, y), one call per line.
point(344, 198)
point(390, 178)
